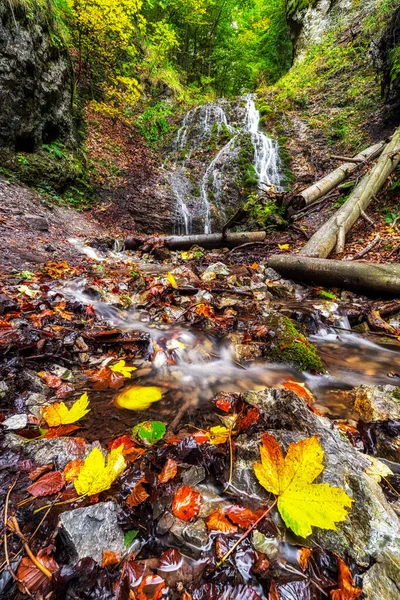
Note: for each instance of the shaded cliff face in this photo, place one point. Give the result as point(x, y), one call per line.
point(35, 81)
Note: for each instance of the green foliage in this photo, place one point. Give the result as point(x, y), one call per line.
point(392, 215)
point(263, 212)
point(153, 123)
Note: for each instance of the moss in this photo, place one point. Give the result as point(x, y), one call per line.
point(290, 346)
point(248, 180)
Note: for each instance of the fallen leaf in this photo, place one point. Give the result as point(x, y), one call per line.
point(170, 560)
point(109, 558)
point(105, 378)
point(73, 468)
point(151, 588)
point(149, 432)
point(137, 495)
point(186, 503)
point(301, 503)
point(284, 247)
point(378, 469)
point(120, 367)
point(58, 414)
point(172, 280)
point(299, 388)
point(205, 310)
point(50, 483)
point(219, 435)
point(138, 397)
point(32, 577)
point(129, 537)
point(36, 473)
point(347, 590)
point(303, 557)
point(61, 431)
point(169, 471)
point(217, 521)
point(96, 476)
point(242, 516)
point(52, 381)
point(28, 291)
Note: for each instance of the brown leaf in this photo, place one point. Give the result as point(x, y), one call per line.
point(39, 471)
point(273, 592)
point(32, 577)
point(65, 390)
point(51, 483)
point(61, 431)
point(52, 381)
point(110, 558)
point(303, 558)
point(105, 378)
point(137, 495)
point(169, 471)
point(186, 503)
point(347, 590)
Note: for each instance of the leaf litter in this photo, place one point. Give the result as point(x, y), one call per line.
point(110, 377)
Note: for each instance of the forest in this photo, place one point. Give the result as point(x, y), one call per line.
point(200, 299)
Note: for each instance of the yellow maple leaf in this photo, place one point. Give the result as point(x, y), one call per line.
point(172, 280)
point(120, 367)
point(58, 414)
point(219, 434)
point(138, 397)
point(96, 475)
point(301, 503)
point(284, 247)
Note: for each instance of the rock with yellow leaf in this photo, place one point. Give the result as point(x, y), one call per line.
point(371, 525)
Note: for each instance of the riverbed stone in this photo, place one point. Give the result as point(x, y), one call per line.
point(192, 536)
point(377, 402)
point(16, 422)
point(91, 530)
point(382, 580)
point(371, 526)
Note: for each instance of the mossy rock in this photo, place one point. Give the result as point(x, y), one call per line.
point(290, 346)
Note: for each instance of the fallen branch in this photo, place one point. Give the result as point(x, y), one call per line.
point(334, 231)
point(347, 158)
point(208, 241)
point(360, 276)
point(332, 180)
point(367, 249)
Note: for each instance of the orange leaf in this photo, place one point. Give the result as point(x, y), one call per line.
point(169, 471)
point(124, 440)
point(137, 495)
point(61, 431)
point(273, 592)
point(299, 388)
point(32, 577)
point(72, 469)
point(106, 378)
point(218, 522)
point(52, 381)
point(151, 588)
point(243, 516)
point(346, 590)
point(247, 419)
point(186, 503)
point(303, 558)
point(109, 558)
point(205, 310)
point(51, 483)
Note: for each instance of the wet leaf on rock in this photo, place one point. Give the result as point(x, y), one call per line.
point(169, 471)
point(73, 468)
point(219, 435)
point(186, 503)
point(242, 516)
point(138, 397)
point(151, 588)
point(50, 483)
point(52, 381)
point(137, 495)
point(217, 521)
point(123, 369)
point(149, 432)
point(61, 431)
point(58, 414)
point(301, 503)
point(105, 378)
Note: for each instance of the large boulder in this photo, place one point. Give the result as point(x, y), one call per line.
point(371, 526)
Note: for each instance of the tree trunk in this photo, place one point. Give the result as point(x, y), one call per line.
point(332, 180)
point(333, 232)
point(210, 241)
point(360, 276)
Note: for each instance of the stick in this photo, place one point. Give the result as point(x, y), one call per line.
point(367, 249)
point(29, 552)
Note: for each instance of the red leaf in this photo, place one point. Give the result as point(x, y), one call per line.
point(186, 503)
point(242, 516)
point(170, 560)
point(347, 590)
point(32, 577)
point(124, 440)
point(51, 483)
point(134, 571)
point(224, 403)
point(247, 418)
point(52, 381)
point(169, 471)
point(65, 390)
point(39, 471)
point(137, 495)
point(61, 431)
point(151, 588)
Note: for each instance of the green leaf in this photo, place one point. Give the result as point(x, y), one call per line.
point(328, 295)
point(149, 432)
point(130, 536)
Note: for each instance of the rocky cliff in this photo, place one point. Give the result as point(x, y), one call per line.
point(35, 78)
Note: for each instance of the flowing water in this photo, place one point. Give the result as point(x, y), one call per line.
point(198, 126)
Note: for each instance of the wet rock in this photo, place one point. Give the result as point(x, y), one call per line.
point(185, 276)
point(4, 389)
point(371, 526)
point(35, 402)
point(194, 475)
point(382, 580)
point(58, 451)
point(36, 222)
point(191, 536)
point(165, 523)
point(162, 253)
point(386, 435)
point(210, 501)
point(377, 402)
point(272, 275)
point(16, 422)
point(218, 268)
point(91, 530)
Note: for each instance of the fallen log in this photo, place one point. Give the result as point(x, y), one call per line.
point(359, 276)
point(332, 180)
point(208, 241)
point(333, 232)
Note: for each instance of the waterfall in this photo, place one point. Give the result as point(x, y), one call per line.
point(197, 129)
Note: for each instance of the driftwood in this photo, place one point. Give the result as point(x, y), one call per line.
point(333, 232)
point(360, 276)
point(210, 241)
point(328, 183)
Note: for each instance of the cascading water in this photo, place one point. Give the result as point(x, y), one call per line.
point(193, 211)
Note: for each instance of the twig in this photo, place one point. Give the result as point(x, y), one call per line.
point(367, 218)
point(246, 533)
point(367, 249)
point(13, 575)
point(29, 552)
